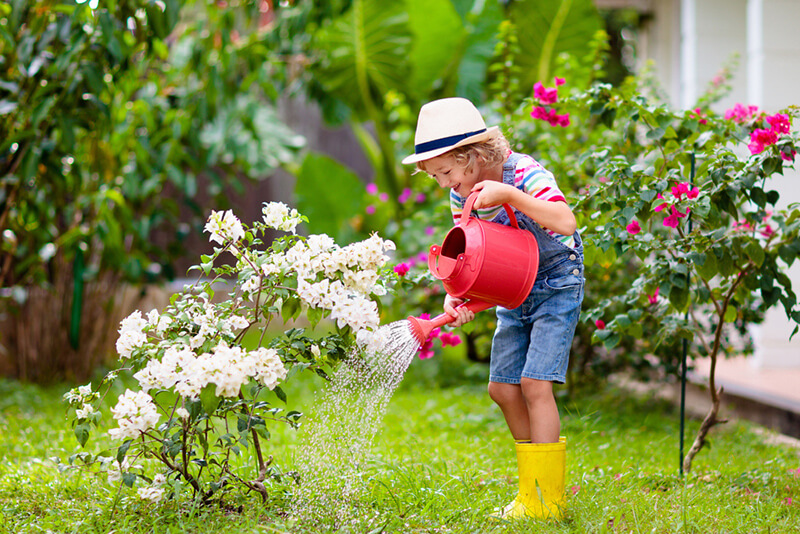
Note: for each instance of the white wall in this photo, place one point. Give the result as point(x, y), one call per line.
point(775, 74)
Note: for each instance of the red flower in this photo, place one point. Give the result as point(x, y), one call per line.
point(600, 324)
point(633, 227)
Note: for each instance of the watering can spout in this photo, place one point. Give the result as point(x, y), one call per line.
point(421, 328)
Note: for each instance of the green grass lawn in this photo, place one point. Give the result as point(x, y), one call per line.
point(442, 461)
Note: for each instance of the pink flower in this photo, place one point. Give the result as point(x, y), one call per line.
point(693, 193)
point(600, 324)
point(545, 95)
point(560, 81)
point(401, 269)
point(429, 230)
point(680, 189)
point(787, 501)
point(372, 189)
point(672, 220)
point(405, 195)
point(767, 231)
point(780, 123)
point(370, 209)
point(788, 157)
point(652, 299)
point(633, 227)
point(421, 198)
point(660, 206)
point(575, 489)
point(699, 113)
point(539, 112)
point(449, 339)
point(740, 113)
point(741, 225)
point(760, 139)
point(384, 197)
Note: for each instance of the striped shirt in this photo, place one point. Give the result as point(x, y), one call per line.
point(530, 177)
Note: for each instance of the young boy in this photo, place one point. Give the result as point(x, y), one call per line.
point(530, 348)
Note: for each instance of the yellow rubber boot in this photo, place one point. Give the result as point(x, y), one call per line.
point(542, 473)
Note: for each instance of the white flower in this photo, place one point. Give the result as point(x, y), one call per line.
point(159, 480)
point(373, 341)
point(269, 369)
point(223, 227)
point(183, 413)
point(135, 412)
point(84, 412)
point(151, 493)
point(131, 335)
point(278, 215)
point(85, 391)
point(159, 322)
point(116, 469)
point(315, 351)
point(238, 322)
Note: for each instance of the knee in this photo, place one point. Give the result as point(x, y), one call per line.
point(504, 394)
point(536, 391)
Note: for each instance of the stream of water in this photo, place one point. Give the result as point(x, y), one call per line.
point(339, 431)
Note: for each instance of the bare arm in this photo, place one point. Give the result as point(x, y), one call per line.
point(556, 216)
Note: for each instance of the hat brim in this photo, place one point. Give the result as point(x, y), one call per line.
point(483, 136)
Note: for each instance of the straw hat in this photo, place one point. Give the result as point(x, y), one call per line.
point(446, 124)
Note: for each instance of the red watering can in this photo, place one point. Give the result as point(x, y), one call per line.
point(490, 264)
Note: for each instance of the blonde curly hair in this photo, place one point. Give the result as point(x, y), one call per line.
point(488, 153)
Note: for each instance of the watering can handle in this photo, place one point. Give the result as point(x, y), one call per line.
point(474, 305)
point(468, 209)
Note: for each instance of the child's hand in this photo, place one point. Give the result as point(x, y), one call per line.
point(463, 315)
point(492, 193)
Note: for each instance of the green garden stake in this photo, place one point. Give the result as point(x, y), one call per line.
point(77, 299)
point(685, 351)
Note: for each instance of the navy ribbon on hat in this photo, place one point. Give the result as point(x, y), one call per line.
point(444, 141)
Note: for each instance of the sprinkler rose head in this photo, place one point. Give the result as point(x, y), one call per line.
point(422, 328)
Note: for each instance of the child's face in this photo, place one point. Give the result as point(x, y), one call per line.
point(449, 175)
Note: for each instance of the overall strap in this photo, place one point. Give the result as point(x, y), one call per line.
point(510, 168)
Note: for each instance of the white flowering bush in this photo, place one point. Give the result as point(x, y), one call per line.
point(202, 398)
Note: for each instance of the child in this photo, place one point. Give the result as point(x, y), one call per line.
point(530, 348)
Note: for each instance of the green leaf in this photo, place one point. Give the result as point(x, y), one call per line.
point(82, 433)
point(123, 450)
point(730, 314)
point(707, 269)
point(209, 398)
point(755, 251)
point(367, 51)
point(329, 194)
point(548, 28)
point(129, 479)
point(438, 33)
